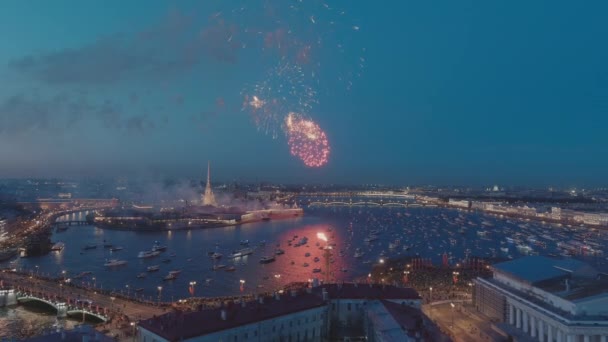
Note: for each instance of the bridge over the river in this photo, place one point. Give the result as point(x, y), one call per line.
point(63, 308)
point(362, 203)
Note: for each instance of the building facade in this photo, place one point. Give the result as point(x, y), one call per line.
point(546, 299)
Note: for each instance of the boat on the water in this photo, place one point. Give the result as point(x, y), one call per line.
point(148, 254)
point(170, 277)
point(58, 246)
point(239, 253)
point(279, 251)
point(267, 259)
point(153, 268)
point(90, 246)
point(158, 247)
point(116, 249)
point(115, 262)
point(141, 275)
point(216, 255)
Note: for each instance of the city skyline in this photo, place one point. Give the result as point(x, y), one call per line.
point(464, 94)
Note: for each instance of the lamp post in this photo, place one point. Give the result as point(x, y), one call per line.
point(37, 268)
point(128, 290)
point(63, 274)
point(94, 282)
point(160, 291)
point(192, 284)
point(112, 298)
point(133, 330)
point(431, 301)
point(452, 305)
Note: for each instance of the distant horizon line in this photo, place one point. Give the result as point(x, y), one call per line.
point(220, 181)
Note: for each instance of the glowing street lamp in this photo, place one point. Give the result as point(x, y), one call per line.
point(160, 291)
point(381, 261)
point(452, 305)
point(191, 289)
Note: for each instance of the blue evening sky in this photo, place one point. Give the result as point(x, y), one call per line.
point(408, 92)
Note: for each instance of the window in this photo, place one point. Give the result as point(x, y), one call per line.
point(348, 306)
point(333, 306)
point(246, 335)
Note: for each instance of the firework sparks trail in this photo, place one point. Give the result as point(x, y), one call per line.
point(306, 140)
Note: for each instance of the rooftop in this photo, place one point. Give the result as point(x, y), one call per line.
point(533, 269)
point(78, 334)
point(181, 325)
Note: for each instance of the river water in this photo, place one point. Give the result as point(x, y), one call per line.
point(424, 232)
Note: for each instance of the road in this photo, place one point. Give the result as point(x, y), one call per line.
point(466, 327)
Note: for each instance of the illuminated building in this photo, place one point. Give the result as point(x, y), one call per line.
point(545, 299)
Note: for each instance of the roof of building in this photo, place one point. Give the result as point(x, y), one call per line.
point(181, 325)
point(409, 318)
point(76, 335)
point(536, 268)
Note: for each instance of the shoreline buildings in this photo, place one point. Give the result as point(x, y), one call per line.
point(546, 299)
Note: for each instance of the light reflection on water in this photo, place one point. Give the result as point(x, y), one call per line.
point(19, 322)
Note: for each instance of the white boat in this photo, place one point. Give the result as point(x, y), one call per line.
point(58, 246)
point(216, 255)
point(267, 259)
point(244, 242)
point(148, 254)
point(176, 272)
point(158, 248)
point(115, 262)
point(240, 253)
point(153, 268)
point(170, 277)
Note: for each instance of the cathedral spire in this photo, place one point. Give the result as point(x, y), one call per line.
point(208, 197)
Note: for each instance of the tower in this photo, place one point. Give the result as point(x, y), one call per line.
point(208, 198)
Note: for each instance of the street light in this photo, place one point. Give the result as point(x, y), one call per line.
point(192, 283)
point(431, 301)
point(133, 332)
point(112, 298)
point(160, 291)
point(452, 305)
point(63, 273)
point(128, 290)
point(381, 261)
